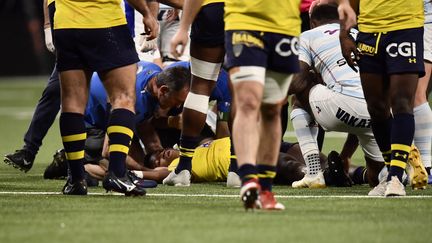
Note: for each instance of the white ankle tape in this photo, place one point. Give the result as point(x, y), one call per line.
point(197, 102)
point(205, 70)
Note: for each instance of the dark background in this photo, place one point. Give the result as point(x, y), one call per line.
point(22, 43)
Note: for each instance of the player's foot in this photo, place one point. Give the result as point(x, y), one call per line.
point(180, 179)
point(249, 194)
point(394, 188)
point(417, 172)
point(233, 180)
point(58, 167)
point(77, 188)
point(21, 159)
point(268, 202)
point(336, 170)
point(379, 190)
point(141, 182)
point(122, 185)
point(310, 181)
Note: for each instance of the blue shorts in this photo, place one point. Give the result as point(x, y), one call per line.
point(276, 52)
point(208, 26)
point(399, 51)
point(94, 49)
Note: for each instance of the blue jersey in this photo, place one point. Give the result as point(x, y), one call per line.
point(320, 49)
point(221, 93)
point(97, 111)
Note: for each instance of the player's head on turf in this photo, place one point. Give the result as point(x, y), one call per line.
point(173, 86)
point(324, 14)
point(163, 158)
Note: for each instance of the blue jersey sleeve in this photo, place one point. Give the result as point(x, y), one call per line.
point(96, 113)
point(145, 103)
point(221, 92)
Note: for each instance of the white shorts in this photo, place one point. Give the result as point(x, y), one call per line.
point(337, 112)
point(427, 38)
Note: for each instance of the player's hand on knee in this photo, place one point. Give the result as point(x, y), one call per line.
point(49, 40)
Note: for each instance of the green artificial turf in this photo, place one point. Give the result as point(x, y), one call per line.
point(207, 212)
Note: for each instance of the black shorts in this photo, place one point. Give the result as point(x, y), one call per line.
point(94, 49)
point(208, 26)
point(276, 52)
point(392, 52)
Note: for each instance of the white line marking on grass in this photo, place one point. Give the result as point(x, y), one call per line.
point(218, 195)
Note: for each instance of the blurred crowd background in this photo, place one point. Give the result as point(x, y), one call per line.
point(22, 44)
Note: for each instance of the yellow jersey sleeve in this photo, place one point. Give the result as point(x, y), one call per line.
point(88, 14)
point(212, 1)
point(49, 2)
point(210, 161)
point(281, 17)
point(384, 15)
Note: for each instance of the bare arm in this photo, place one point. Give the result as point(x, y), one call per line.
point(150, 22)
point(190, 10)
point(148, 135)
point(158, 174)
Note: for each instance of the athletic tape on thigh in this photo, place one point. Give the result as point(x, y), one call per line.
point(249, 73)
point(276, 86)
point(197, 102)
point(205, 70)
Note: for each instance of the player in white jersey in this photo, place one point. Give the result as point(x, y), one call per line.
point(337, 105)
point(422, 110)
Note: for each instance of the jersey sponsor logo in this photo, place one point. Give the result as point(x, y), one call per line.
point(351, 120)
point(366, 49)
point(330, 32)
point(405, 49)
point(401, 156)
point(287, 47)
point(247, 39)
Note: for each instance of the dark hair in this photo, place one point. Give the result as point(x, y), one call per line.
point(325, 12)
point(176, 78)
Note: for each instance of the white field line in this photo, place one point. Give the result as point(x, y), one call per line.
point(219, 195)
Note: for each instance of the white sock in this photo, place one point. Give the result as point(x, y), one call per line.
point(306, 132)
point(423, 132)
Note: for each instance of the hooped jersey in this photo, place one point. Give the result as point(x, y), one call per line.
point(320, 49)
point(97, 110)
point(210, 162)
point(88, 14)
point(385, 15)
point(281, 16)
